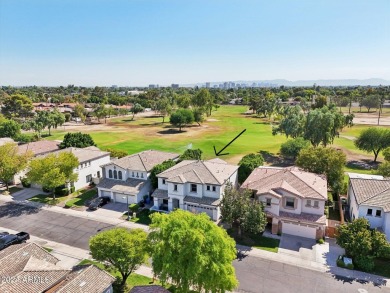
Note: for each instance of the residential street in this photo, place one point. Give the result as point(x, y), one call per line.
point(254, 273)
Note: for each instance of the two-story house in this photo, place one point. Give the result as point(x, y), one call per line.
point(126, 180)
point(294, 200)
point(196, 186)
point(369, 197)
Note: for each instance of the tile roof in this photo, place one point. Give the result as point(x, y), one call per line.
point(39, 147)
point(160, 193)
point(148, 289)
point(294, 180)
point(375, 192)
point(211, 172)
point(131, 185)
point(143, 161)
point(85, 154)
point(318, 219)
point(203, 200)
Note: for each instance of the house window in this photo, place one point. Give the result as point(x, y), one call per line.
point(163, 181)
point(115, 174)
point(193, 188)
point(142, 175)
point(137, 175)
point(268, 202)
point(120, 175)
point(208, 187)
point(369, 212)
point(308, 203)
point(214, 188)
point(290, 202)
point(110, 173)
point(132, 174)
point(88, 178)
point(378, 213)
point(98, 174)
point(316, 203)
point(175, 187)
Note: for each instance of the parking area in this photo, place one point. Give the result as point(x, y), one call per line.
point(301, 247)
point(26, 193)
point(111, 210)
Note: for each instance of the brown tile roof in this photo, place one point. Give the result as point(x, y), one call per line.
point(39, 147)
point(212, 172)
point(294, 180)
point(375, 192)
point(85, 154)
point(148, 289)
point(144, 161)
point(203, 200)
point(305, 217)
point(131, 185)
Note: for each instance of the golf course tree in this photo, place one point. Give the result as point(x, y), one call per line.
point(362, 243)
point(242, 212)
point(77, 139)
point(198, 115)
point(206, 252)
point(11, 162)
point(17, 106)
point(326, 161)
point(164, 107)
point(204, 101)
point(158, 169)
point(384, 167)
point(122, 249)
point(374, 140)
point(114, 153)
point(291, 148)
point(181, 118)
point(293, 123)
point(53, 170)
point(247, 164)
point(191, 154)
point(137, 108)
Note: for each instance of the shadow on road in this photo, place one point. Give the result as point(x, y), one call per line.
point(10, 209)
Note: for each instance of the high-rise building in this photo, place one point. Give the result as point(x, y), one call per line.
point(175, 85)
point(207, 85)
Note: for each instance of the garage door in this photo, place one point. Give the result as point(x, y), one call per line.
point(298, 230)
point(120, 197)
point(197, 209)
point(105, 193)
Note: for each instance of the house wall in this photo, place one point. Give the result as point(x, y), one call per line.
point(353, 207)
point(375, 222)
point(210, 193)
point(187, 190)
point(161, 185)
point(126, 173)
point(311, 209)
point(275, 202)
point(386, 225)
point(92, 170)
point(298, 203)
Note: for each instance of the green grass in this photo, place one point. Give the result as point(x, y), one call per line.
point(257, 241)
point(80, 200)
point(382, 267)
point(143, 217)
point(48, 199)
point(334, 214)
point(48, 249)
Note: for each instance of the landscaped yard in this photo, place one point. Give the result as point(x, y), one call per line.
point(382, 267)
point(334, 214)
point(143, 217)
point(14, 189)
point(80, 200)
point(257, 241)
point(48, 199)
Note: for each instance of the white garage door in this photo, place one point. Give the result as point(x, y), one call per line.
point(197, 209)
point(105, 193)
point(298, 230)
point(120, 197)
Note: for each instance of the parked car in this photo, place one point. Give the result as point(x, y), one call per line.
point(98, 202)
point(11, 239)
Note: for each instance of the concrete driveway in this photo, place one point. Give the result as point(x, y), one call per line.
point(26, 193)
point(301, 247)
point(110, 210)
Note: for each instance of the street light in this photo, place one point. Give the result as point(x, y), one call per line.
point(128, 212)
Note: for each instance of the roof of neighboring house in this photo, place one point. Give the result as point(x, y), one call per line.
point(39, 147)
point(85, 154)
point(148, 289)
point(85, 278)
point(131, 185)
point(143, 161)
point(294, 180)
point(4, 140)
point(375, 192)
point(203, 200)
point(214, 171)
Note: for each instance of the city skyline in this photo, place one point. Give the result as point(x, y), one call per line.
point(163, 42)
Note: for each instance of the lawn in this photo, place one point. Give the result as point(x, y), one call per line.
point(48, 199)
point(143, 217)
point(382, 267)
point(257, 241)
point(79, 201)
point(334, 214)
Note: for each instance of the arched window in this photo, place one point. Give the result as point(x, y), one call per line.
point(120, 175)
point(110, 173)
point(115, 174)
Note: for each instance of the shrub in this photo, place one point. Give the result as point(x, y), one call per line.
point(247, 164)
point(320, 241)
point(291, 148)
point(340, 263)
point(22, 138)
point(45, 189)
point(326, 212)
point(72, 189)
point(25, 182)
point(67, 117)
point(134, 207)
point(60, 191)
point(364, 262)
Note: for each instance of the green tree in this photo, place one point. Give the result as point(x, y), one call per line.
point(203, 100)
point(370, 101)
point(80, 112)
point(327, 161)
point(17, 106)
point(373, 140)
point(100, 111)
point(291, 148)
point(11, 162)
point(247, 164)
point(124, 250)
point(293, 123)
point(9, 128)
point(386, 153)
point(206, 252)
point(183, 101)
point(55, 119)
point(384, 169)
point(362, 244)
point(137, 108)
point(164, 107)
point(181, 118)
point(158, 169)
point(77, 139)
point(191, 154)
point(117, 153)
point(198, 115)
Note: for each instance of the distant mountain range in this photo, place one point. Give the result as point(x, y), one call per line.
point(320, 82)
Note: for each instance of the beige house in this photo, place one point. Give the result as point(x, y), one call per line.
point(294, 200)
point(196, 186)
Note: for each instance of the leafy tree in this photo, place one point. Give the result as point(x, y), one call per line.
point(206, 252)
point(9, 128)
point(77, 139)
point(53, 170)
point(117, 153)
point(183, 101)
point(203, 100)
point(362, 244)
point(247, 164)
point(124, 250)
point(164, 107)
point(327, 161)
point(11, 162)
point(370, 101)
point(191, 154)
point(158, 169)
point(373, 140)
point(80, 112)
point(137, 108)
point(56, 118)
point(100, 111)
point(386, 153)
point(241, 211)
point(384, 169)
point(291, 148)
point(181, 118)
point(17, 106)
point(198, 116)
point(293, 123)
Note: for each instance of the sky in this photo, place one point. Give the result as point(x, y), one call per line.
point(141, 42)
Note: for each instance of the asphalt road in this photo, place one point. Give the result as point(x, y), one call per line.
point(254, 274)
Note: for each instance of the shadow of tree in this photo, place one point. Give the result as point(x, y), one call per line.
point(274, 160)
point(11, 209)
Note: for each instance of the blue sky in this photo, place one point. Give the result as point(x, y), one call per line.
point(137, 42)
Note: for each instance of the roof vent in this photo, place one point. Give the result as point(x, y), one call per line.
point(25, 253)
point(82, 283)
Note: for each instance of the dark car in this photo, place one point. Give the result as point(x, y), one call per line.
point(11, 239)
point(98, 202)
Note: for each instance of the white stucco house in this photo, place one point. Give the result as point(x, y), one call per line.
point(294, 200)
point(196, 186)
point(126, 180)
point(369, 197)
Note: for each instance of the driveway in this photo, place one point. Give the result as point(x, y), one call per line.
point(301, 247)
point(110, 210)
point(26, 193)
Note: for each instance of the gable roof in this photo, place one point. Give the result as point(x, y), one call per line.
point(143, 161)
point(294, 180)
point(39, 147)
point(85, 154)
point(374, 192)
point(209, 172)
